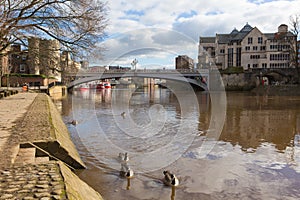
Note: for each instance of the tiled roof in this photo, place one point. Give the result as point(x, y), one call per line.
point(207, 39)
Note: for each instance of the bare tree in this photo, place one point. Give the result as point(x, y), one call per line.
point(295, 23)
point(77, 24)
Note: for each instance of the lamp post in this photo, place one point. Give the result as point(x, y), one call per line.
point(134, 63)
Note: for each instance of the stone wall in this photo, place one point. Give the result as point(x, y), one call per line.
point(239, 81)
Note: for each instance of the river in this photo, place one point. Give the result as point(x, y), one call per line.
point(254, 153)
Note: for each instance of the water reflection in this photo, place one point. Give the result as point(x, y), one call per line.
point(256, 157)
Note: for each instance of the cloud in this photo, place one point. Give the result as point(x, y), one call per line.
point(158, 29)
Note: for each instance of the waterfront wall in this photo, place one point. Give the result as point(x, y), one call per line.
point(37, 153)
point(239, 81)
point(43, 127)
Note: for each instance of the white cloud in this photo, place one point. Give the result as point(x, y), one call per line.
point(170, 28)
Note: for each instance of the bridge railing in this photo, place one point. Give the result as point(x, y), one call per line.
point(183, 71)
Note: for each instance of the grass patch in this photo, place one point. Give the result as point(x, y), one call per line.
point(232, 70)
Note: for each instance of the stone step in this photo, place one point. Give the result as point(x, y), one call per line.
point(26, 156)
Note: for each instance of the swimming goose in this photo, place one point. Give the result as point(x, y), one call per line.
point(170, 179)
point(126, 171)
point(73, 122)
point(123, 114)
point(123, 157)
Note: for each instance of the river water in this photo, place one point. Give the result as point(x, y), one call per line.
point(255, 155)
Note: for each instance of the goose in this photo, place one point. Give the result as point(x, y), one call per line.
point(126, 171)
point(123, 157)
point(170, 179)
point(73, 122)
point(123, 114)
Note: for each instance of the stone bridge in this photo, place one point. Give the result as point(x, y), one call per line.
point(194, 77)
point(276, 73)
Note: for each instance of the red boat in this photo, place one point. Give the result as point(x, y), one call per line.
point(103, 85)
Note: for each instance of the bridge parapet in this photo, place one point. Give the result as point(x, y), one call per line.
point(191, 76)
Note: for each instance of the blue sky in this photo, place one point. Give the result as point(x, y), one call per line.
point(155, 32)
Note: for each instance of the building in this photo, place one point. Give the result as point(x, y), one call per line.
point(42, 57)
point(184, 62)
point(248, 48)
point(17, 60)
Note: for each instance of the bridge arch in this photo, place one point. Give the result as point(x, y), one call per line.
point(275, 75)
point(168, 76)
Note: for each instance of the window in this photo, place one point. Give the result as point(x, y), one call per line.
point(22, 67)
point(254, 56)
point(247, 48)
point(230, 57)
point(222, 51)
point(262, 48)
point(260, 40)
point(238, 56)
point(250, 40)
point(254, 48)
point(285, 57)
point(255, 65)
point(264, 65)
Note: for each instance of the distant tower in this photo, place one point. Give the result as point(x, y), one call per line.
point(49, 56)
point(33, 55)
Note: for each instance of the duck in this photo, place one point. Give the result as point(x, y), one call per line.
point(170, 179)
point(126, 171)
point(123, 157)
point(73, 122)
point(123, 114)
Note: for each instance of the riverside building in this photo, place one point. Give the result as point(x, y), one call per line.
point(248, 48)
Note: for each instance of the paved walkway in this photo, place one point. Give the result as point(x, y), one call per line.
point(12, 108)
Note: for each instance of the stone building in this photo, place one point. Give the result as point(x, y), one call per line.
point(248, 48)
point(17, 60)
point(44, 57)
point(184, 62)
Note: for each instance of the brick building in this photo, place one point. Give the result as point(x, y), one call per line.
point(184, 62)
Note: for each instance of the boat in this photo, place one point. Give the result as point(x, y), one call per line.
point(83, 87)
point(103, 85)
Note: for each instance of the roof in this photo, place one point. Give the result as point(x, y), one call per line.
point(238, 36)
point(246, 29)
point(207, 39)
point(235, 35)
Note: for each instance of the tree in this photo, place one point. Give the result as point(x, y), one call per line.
point(295, 23)
point(78, 25)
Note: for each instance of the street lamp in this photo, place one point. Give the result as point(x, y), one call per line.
point(134, 63)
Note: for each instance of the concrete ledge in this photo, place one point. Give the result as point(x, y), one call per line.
point(43, 127)
point(75, 188)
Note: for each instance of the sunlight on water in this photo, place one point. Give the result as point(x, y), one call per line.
point(256, 157)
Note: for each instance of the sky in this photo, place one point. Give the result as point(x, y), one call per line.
point(155, 32)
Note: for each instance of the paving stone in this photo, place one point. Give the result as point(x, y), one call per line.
point(28, 198)
point(6, 196)
point(40, 195)
point(44, 186)
point(29, 186)
point(45, 198)
point(11, 190)
point(24, 191)
point(56, 192)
